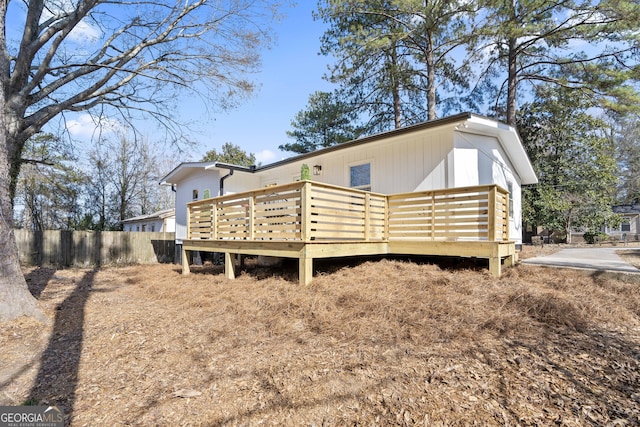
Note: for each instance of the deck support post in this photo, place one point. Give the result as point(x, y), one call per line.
point(305, 270)
point(185, 261)
point(495, 262)
point(229, 265)
point(510, 261)
point(495, 266)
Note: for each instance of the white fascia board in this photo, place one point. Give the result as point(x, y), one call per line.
point(510, 141)
point(182, 170)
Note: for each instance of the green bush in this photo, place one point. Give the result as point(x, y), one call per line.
point(592, 237)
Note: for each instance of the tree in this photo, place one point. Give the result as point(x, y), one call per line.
point(584, 45)
point(49, 186)
point(573, 155)
point(397, 55)
point(327, 121)
point(124, 182)
point(232, 154)
point(110, 57)
point(628, 155)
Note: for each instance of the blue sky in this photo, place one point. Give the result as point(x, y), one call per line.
point(291, 71)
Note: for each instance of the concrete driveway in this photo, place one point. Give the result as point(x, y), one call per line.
point(599, 259)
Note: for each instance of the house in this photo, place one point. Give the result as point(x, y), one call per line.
point(461, 151)
point(161, 221)
point(629, 229)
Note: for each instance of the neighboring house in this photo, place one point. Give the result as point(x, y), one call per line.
point(630, 219)
point(161, 221)
point(458, 151)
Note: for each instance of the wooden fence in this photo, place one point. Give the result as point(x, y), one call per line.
point(66, 248)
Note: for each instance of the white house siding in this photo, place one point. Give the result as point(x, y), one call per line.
point(453, 154)
point(404, 163)
point(480, 160)
point(203, 180)
point(200, 180)
point(147, 225)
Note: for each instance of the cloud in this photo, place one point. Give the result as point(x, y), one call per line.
point(83, 32)
point(265, 156)
point(86, 126)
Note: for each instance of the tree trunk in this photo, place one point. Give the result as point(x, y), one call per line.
point(395, 89)
point(15, 298)
point(512, 82)
point(567, 227)
point(431, 80)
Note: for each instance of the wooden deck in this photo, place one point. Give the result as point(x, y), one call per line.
point(307, 220)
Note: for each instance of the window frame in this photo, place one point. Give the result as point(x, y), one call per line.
point(352, 165)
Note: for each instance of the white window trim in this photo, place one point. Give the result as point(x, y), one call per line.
point(358, 163)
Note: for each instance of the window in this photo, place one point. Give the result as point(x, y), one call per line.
point(207, 194)
point(153, 228)
point(144, 227)
point(360, 176)
point(137, 228)
point(625, 227)
point(195, 195)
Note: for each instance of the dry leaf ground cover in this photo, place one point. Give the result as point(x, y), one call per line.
point(370, 342)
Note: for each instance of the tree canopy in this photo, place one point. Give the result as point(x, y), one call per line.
point(327, 121)
point(574, 157)
point(232, 154)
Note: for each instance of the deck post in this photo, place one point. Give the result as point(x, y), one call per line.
point(491, 223)
point(229, 265)
point(305, 214)
point(507, 219)
point(214, 220)
point(367, 218)
point(495, 263)
point(251, 216)
point(305, 269)
point(185, 261)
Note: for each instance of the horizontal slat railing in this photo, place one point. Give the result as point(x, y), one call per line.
point(309, 211)
point(339, 213)
point(456, 214)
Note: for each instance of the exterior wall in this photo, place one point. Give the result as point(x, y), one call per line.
point(158, 225)
point(145, 225)
point(480, 160)
point(201, 180)
point(404, 163)
point(442, 157)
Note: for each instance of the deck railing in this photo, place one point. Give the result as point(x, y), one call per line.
point(310, 211)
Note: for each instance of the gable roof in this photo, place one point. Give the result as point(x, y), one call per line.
point(467, 122)
point(633, 209)
point(163, 214)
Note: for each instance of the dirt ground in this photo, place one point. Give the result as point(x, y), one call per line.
point(369, 342)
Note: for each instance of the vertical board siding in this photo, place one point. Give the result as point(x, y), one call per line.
point(67, 248)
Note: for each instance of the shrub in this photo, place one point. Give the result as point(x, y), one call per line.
point(594, 237)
